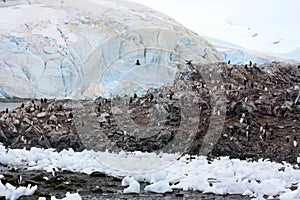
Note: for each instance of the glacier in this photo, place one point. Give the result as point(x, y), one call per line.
point(85, 49)
point(240, 55)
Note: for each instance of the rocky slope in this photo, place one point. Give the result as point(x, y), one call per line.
point(259, 119)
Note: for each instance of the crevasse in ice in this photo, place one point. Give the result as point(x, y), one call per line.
point(85, 49)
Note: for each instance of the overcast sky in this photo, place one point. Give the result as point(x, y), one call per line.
point(238, 21)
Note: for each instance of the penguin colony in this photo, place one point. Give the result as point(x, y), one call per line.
point(262, 114)
point(39, 123)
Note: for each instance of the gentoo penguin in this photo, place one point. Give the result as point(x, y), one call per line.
point(135, 95)
point(27, 110)
point(42, 100)
point(295, 143)
point(247, 135)
point(287, 139)
point(171, 96)
point(255, 66)
point(71, 115)
point(6, 110)
point(22, 105)
point(53, 172)
point(228, 62)
point(45, 100)
point(250, 63)
point(151, 97)
point(19, 180)
point(60, 108)
point(267, 126)
point(137, 62)
point(264, 134)
point(241, 120)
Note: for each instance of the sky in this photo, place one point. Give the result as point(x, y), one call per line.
point(263, 25)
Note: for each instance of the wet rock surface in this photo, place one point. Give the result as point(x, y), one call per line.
point(94, 186)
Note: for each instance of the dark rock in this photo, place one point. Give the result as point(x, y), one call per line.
point(98, 174)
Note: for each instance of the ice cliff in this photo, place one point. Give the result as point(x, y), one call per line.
point(84, 49)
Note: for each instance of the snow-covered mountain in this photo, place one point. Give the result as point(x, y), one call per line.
point(239, 55)
point(84, 49)
point(259, 28)
point(295, 54)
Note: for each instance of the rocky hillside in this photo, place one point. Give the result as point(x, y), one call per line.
point(242, 111)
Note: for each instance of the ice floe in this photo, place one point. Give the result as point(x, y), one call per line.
point(219, 176)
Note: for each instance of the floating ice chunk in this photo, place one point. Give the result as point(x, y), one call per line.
point(248, 193)
point(254, 179)
point(133, 185)
point(290, 195)
point(159, 187)
point(158, 176)
point(11, 192)
point(272, 186)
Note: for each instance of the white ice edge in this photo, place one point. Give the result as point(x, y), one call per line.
point(221, 176)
